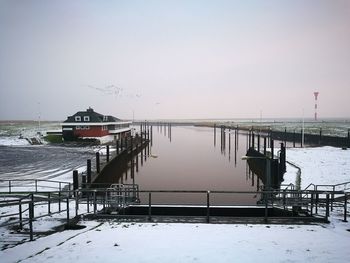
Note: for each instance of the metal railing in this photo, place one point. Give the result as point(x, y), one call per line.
point(32, 185)
point(119, 197)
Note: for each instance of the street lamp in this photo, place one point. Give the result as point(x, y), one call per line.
point(267, 184)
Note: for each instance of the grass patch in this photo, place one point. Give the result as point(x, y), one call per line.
point(51, 138)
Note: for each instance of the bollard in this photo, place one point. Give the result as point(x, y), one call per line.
point(97, 162)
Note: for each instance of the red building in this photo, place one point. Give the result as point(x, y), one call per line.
point(92, 125)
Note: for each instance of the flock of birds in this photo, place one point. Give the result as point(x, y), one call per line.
point(117, 92)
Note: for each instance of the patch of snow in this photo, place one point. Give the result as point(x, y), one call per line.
point(320, 165)
point(12, 141)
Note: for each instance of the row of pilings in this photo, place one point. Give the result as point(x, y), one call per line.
point(290, 137)
point(125, 146)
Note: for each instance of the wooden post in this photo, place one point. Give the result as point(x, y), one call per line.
point(301, 138)
point(149, 206)
point(67, 206)
point(88, 171)
point(208, 206)
point(259, 142)
point(253, 140)
point(285, 136)
point(97, 162)
point(107, 153)
point(83, 182)
point(75, 180)
point(117, 146)
point(294, 138)
point(320, 139)
point(265, 146)
point(272, 149)
point(31, 217)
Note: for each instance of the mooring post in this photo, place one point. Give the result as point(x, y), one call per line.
point(301, 138)
point(107, 150)
point(75, 180)
point(149, 206)
point(20, 214)
point(259, 142)
point(264, 146)
point(88, 171)
point(266, 207)
point(348, 137)
point(76, 202)
point(151, 135)
point(95, 202)
point(208, 206)
point(253, 140)
point(285, 135)
point(320, 138)
point(83, 181)
point(67, 206)
point(31, 217)
point(117, 146)
point(345, 206)
point(327, 206)
point(294, 138)
point(272, 149)
point(97, 162)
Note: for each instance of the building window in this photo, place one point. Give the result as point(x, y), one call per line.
point(82, 127)
point(105, 118)
point(77, 118)
point(86, 118)
point(104, 128)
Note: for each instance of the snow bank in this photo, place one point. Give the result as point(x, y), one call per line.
point(12, 141)
point(134, 242)
point(321, 165)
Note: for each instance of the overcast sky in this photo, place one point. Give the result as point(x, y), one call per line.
point(174, 59)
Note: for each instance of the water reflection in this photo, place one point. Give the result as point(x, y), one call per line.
point(190, 163)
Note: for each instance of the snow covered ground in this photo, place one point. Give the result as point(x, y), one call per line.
point(111, 241)
point(320, 165)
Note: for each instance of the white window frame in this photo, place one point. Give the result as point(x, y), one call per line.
point(86, 118)
point(77, 118)
point(105, 118)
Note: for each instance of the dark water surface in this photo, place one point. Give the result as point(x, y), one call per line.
point(189, 160)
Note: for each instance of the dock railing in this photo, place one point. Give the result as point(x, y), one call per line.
point(96, 201)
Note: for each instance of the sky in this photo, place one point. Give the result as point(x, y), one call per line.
point(174, 59)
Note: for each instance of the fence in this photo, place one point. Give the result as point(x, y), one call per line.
point(118, 197)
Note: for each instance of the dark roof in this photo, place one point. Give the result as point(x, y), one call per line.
point(94, 116)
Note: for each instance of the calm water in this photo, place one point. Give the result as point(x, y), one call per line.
point(191, 161)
